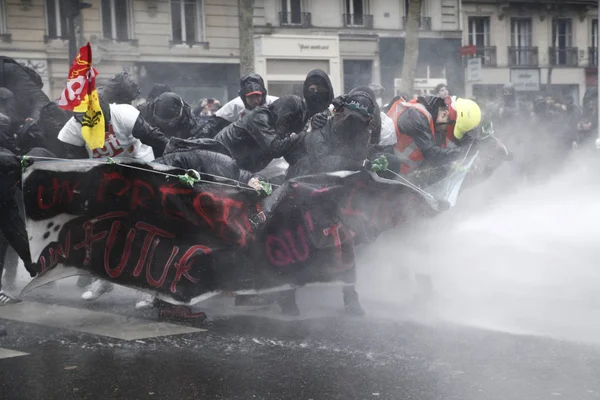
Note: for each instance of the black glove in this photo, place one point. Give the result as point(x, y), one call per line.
point(318, 121)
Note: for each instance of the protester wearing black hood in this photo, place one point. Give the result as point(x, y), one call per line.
point(342, 144)
point(253, 93)
point(265, 133)
point(173, 116)
point(318, 95)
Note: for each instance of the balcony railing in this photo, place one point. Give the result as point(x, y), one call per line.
point(358, 21)
point(523, 56)
point(593, 56)
point(563, 56)
point(424, 23)
point(487, 55)
point(301, 20)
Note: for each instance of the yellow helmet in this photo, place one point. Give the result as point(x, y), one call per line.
point(468, 116)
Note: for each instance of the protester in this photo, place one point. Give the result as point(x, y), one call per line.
point(441, 90)
point(318, 95)
point(252, 94)
point(173, 116)
point(205, 109)
point(422, 127)
point(587, 126)
point(127, 136)
point(264, 134)
point(156, 90)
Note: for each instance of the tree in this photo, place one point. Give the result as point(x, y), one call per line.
point(246, 10)
point(411, 46)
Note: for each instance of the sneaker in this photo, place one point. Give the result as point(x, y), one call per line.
point(179, 313)
point(147, 301)
point(98, 288)
point(351, 304)
point(7, 299)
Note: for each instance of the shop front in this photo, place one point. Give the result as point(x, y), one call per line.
point(284, 61)
point(193, 81)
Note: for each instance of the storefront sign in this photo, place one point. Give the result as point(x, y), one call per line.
point(474, 69)
point(525, 80)
point(312, 47)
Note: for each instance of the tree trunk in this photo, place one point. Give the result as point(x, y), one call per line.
point(411, 46)
point(246, 8)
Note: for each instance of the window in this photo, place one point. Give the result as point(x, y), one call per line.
point(291, 11)
point(521, 32)
point(355, 12)
point(116, 19)
point(562, 36)
point(3, 22)
point(56, 21)
point(562, 39)
point(187, 21)
point(479, 31)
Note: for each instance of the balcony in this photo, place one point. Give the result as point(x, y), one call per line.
point(298, 20)
point(592, 56)
point(424, 23)
point(523, 56)
point(358, 21)
point(563, 56)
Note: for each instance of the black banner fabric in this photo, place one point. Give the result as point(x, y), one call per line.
point(139, 226)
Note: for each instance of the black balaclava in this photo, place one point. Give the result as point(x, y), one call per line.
point(375, 124)
point(121, 89)
point(289, 114)
point(317, 102)
point(354, 113)
point(252, 83)
point(172, 114)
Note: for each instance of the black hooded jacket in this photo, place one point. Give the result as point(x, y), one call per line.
point(263, 134)
point(414, 124)
point(317, 102)
point(205, 156)
point(248, 84)
point(26, 85)
point(183, 127)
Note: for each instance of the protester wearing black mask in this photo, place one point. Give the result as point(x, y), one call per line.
point(173, 116)
point(318, 95)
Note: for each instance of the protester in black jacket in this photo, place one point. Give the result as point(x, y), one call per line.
point(265, 133)
point(173, 116)
point(342, 144)
point(253, 93)
point(157, 89)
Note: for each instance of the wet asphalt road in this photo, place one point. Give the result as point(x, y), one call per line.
point(322, 355)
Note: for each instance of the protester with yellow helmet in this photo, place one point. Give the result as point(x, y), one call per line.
point(431, 129)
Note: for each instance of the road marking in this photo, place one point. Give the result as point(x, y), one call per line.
point(94, 322)
point(7, 353)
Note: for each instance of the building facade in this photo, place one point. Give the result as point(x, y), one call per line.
point(191, 44)
point(542, 47)
point(356, 41)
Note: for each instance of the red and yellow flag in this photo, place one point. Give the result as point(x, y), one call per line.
point(81, 96)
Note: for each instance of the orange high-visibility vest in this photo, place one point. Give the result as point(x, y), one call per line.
point(406, 149)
